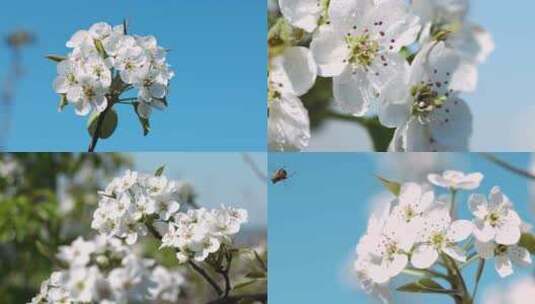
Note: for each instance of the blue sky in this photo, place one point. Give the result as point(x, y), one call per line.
point(218, 178)
point(503, 105)
point(317, 217)
point(218, 95)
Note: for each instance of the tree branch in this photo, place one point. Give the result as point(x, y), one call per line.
point(205, 275)
point(508, 166)
point(262, 297)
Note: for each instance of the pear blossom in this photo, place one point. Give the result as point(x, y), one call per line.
point(168, 284)
point(360, 49)
point(105, 62)
point(130, 199)
point(198, 233)
point(304, 14)
point(291, 75)
point(455, 180)
point(495, 219)
point(438, 235)
point(78, 253)
point(413, 201)
point(362, 271)
point(429, 114)
point(445, 21)
point(504, 255)
point(385, 246)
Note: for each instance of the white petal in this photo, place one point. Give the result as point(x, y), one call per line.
point(352, 92)
point(303, 14)
point(496, 197)
point(348, 13)
point(451, 126)
point(397, 265)
point(144, 110)
point(409, 194)
point(438, 180)
point(483, 231)
point(455, 252)
point(485, 249)
point(424, 256)
point(158, 90)
point(330, 51)
point(288, 125)
point(299, 68)
point(82, 108)
point(100, 103)
point(478, 205)
point(471, 181)
point(393, 115)
point(519, 255)
point(460, 230)
point(508, 235)
point(503, 266)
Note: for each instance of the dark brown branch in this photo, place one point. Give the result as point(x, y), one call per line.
point(207, 277)
point(262, 297)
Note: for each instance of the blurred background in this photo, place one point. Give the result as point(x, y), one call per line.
point(502, 107)
point(320, 213)
point(47, 200)
point(217, 52)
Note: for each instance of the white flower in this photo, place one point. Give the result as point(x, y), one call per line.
point(426, 108)
point(439, 234)
point(78, 253)
point(495, 219)
point(168, 284)
point(81, 283)
point(505, 256)
point(451, 179)
point(104, 55)
point(360, 49)
point(385, 246)
point(199, 232)
point(380, 291)
point(412, 202)
point(291, 75)
point(88, 94)
point(304, 14)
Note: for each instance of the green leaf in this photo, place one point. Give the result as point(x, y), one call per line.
point(425, 286)
point(159, 171)
point(109, 124)
point(145, 123)
point(62, 102)
point(528, 241)
point(100, 48)
point(245, 283)
point(56, 58)
point(393, 187)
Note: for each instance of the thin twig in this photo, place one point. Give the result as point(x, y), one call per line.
point(508, 166)
point(207, 277)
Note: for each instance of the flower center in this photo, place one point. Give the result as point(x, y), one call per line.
point(410, 213)
point(494, 219)
point(425, 99)
point(89, 92)
point(363, 50)
point(441, 31)
point(500, 250)
point(273, 91)
point(438, 240)
point(324, 8)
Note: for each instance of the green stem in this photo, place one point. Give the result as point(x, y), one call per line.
point(452, 204)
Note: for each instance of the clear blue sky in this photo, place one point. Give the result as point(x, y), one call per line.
point(218, 178)
point(317, 217)
point(218, 95)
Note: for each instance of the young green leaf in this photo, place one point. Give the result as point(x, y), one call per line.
point(109, 124)
point(62, 102)
point(159, 171)
point(55, 58)
point(425, 286)
point(145, 124)
point(528, 241)
point(393, 187)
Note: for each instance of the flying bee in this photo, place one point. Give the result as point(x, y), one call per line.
point(279, 176)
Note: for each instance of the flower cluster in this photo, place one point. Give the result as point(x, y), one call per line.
point(104, 270)
point(419, 229)
point(131, 200)
point(105, 62)
point(405, 63)
point(136, 203)
point(199, 232)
